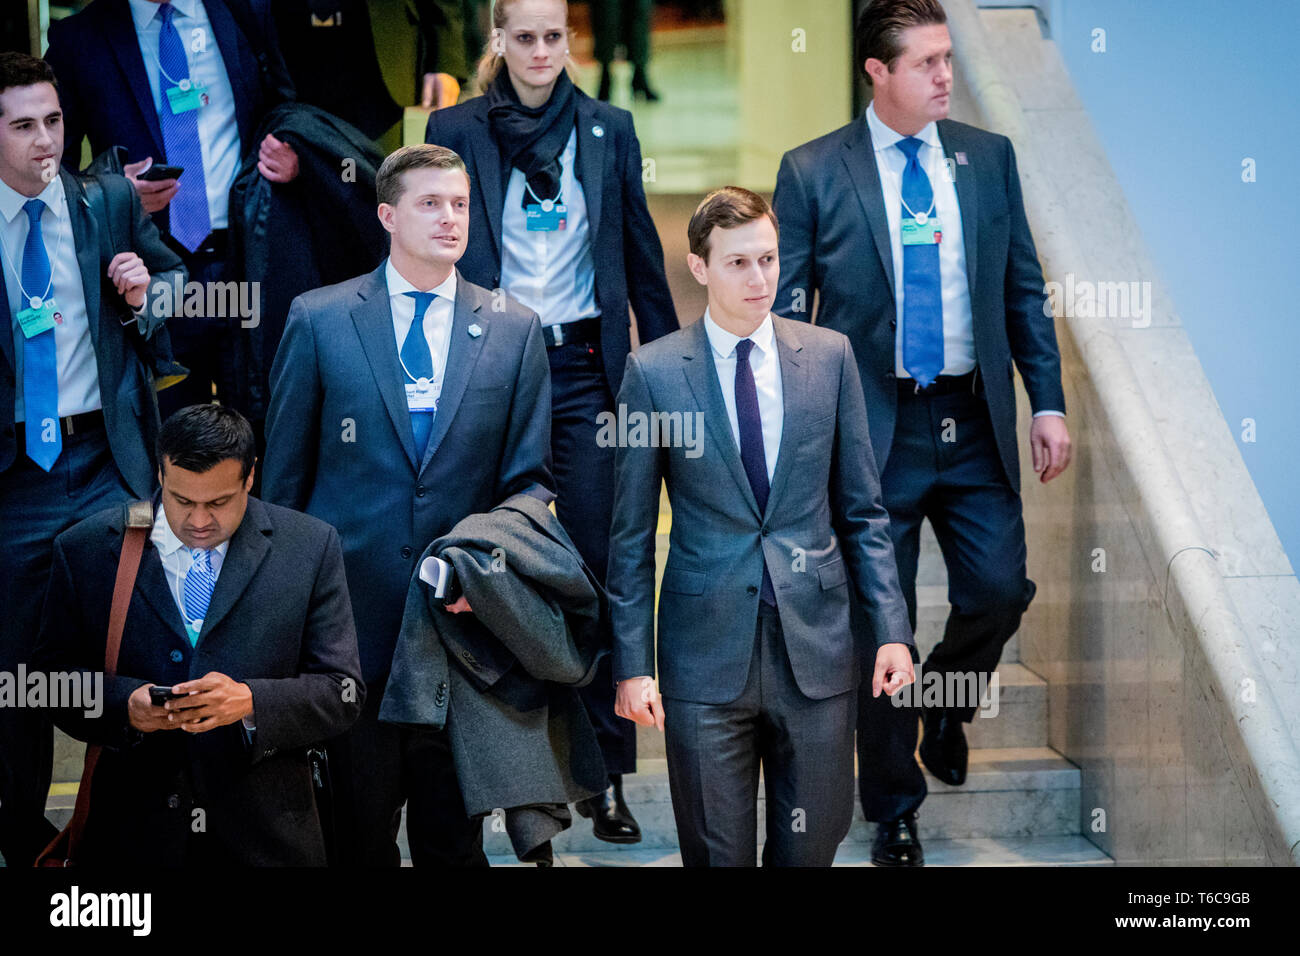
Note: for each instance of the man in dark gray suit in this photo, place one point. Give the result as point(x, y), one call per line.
point(776, 512)
point(78, 417)
point(911, 229)
point(401, 402)
point(241, 610)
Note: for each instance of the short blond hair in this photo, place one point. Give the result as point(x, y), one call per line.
point(388, 181)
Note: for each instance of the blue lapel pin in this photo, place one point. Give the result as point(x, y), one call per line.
point(475, 331)
point(598, 131)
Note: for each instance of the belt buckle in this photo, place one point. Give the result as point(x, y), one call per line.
point(558, 331)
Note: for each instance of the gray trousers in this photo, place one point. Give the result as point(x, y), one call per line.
point(805, 748)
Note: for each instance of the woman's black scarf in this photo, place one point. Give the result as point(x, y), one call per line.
point(532, 139)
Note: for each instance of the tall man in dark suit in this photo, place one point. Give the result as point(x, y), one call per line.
point(241, 609)
point(401, 402)
point(185, 83)
point(78, 416)
point(935, 280)
point(776, 519)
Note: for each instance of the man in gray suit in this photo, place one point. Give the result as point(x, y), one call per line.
point(401, 402)
point(776, 511)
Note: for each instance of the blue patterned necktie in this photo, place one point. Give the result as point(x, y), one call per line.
point(922, 298)
point(188, 211)
point(752, 455)
point(417, 361)
point(40, 365)
point(197, 593)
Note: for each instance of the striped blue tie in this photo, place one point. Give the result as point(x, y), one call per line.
point(418, 363)
point(922, 297)
point(40, 365)
point(199, 582)
point(188, 211)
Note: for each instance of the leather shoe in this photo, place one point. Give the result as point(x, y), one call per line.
point(897, 844)
point(611, 820)
point(943, 747)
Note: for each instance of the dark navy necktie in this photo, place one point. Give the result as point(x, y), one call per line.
point(417, 361)
point(752, 455)
point(40, 363)
point(922, 296)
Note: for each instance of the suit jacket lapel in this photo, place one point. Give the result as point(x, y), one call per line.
point(227, 35)
point(860, 159)
point(248, 548)
point(373, 319)
point(950, 135)
point(150, 581)
point(487, 175)
point(462, 353)
point(85, 237)
point(120, 30)
point(702, 378)
point(7, 340)
point(794, 403)
point(591, 160)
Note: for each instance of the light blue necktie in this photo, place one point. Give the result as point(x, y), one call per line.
point(197, 593)
point(188, 211)
point(922, 298)
point(40, 366)
point(418, 363)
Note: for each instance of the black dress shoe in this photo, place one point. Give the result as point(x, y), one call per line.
point(611, 820)
point(603, 92)
point(641, 86)
point(897, 843)
point(943, 747)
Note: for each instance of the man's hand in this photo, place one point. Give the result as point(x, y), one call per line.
point(130, 276)
point(893, 669)
point(154, 194)
point(214, 700)
point(638, 700)
point(440, 91)
point(277, 161)
point(143, 715)
point(459, 605)
point(1049, 440)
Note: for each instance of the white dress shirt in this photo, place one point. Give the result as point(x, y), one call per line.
point(958, 323)
point(218, 127)
point(74, 351)
point(177, 558)
point(437, 318)
point(766, 366)
point(958, 329)
point(550, 272)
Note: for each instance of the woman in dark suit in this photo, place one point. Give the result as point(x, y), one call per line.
point(558, 221)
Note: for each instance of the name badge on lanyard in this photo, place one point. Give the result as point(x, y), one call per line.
point(922, 230)
point(40, 316)
point(546, 216)
point(186, 96)
point(422, 395)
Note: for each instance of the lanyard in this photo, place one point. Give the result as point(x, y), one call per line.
point(58, 248)
point(920, 218)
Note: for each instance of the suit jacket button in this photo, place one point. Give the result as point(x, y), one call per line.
point(751, 590)
point(893, 323)
point(419, 491)
point(406, 552)
point(442, 685)
point(889, 376)
point(173, 801)
point(766, 532)
point(176, 657)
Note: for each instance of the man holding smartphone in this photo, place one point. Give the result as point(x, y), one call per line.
point(238, 653)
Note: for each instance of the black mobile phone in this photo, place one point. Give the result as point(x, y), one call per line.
point(160, 695)
point(156, 171)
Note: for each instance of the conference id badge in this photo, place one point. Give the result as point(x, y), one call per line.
point(186, 96)
point(422, 395)
point(547, 216)
point(922, 231)
point(38, 317)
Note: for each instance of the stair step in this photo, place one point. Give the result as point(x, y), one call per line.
point(1020, 721)
point(1005, 851)
point(1009, 792)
